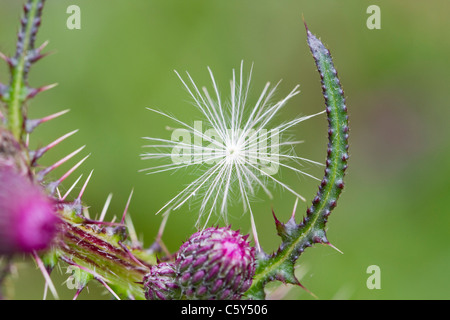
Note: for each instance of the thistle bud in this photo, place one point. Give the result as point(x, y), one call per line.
point(27, 218)
point(160, 283)
point(215, 264)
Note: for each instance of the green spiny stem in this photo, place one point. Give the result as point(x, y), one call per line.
point(296, 237)
point(99, 250)
point(102, 251)
point(18, 91)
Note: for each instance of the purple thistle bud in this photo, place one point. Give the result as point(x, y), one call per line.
point(160, 283)
point(215, 264)
point(27, 216)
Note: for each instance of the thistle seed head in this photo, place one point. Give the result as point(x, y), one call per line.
point(238, 148)
point(215, 264)
point(27, 216)
point(160, 283)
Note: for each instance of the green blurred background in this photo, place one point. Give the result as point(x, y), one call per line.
point(394, 212)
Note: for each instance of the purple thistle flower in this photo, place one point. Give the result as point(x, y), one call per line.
point(27, 216)
point(215, 264)
point(160, 283)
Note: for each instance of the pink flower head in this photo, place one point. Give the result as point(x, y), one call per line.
point(160, 283)
point(216, 263)
point(27, 216)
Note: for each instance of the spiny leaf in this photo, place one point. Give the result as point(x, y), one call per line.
point(296, 237)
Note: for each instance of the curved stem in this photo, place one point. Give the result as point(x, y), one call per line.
point(296, 237)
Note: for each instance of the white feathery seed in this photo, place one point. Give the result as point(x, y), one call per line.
point(240, 153)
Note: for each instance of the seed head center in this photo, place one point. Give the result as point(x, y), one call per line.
point(233, 153)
